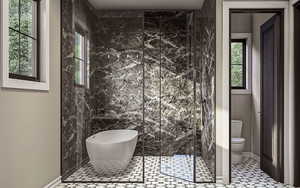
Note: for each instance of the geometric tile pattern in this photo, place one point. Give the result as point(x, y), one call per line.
point(244, 175)
point(133, 173)
point(180, 166)
point(202, 171)
point(248, 173)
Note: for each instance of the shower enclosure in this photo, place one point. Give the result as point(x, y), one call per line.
point(148, 70)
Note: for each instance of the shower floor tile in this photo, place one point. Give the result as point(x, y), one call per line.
point(133, 173)
point(180, 166)
point(244, 175)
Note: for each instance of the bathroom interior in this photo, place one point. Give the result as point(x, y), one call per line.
point(246, 88)
point(119, 93)
point(138, 93)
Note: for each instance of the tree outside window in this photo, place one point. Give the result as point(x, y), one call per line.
point(23, 39)
point(238, 63)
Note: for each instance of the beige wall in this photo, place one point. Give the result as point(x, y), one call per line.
point(241, 23)
point(246, 107)
point(30, 126)
point(241, 107)
point(241, 104)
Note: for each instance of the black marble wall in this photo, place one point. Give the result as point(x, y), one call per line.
point(68, 123)
point(205, 66)
point(153, 71)
point(168, 83)
point(117, 74)
point(75, 100)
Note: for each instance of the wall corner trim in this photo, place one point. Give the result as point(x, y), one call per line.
point(53, 183)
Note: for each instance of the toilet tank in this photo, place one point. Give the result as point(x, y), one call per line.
point(236, 128)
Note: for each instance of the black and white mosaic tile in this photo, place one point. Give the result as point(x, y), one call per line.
point(180, 166)
point(245, 175)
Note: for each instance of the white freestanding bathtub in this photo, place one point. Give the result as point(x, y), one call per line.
point(111, 151)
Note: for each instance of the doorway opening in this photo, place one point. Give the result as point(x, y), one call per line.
point(256, 59)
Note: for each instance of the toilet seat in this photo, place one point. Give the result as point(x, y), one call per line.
point(237, 140)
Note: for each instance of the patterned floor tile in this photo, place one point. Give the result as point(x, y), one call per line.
point(180, 166)
point(245, 175)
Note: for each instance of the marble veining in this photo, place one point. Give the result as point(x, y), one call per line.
point(205, 65)
point(152, 71)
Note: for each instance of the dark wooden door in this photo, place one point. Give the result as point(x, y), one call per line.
point(272, 62)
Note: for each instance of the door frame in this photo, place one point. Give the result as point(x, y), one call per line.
point(225, 95)
point(296, 151)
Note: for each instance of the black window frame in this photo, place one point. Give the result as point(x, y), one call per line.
point(244, 63)
point(85, 62)
point(37, 39)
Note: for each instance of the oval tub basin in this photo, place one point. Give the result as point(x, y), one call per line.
point(111, 151)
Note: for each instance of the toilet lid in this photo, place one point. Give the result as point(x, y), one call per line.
point(237, 140)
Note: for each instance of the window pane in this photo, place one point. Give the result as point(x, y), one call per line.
point(27, 56)
point(79, 72)
point(237, 63)
point(236, 75)
point(28, 17)
point(237, 53)
point(13, 51)
point(79, 46)
point(88, 64)
point(14, 14)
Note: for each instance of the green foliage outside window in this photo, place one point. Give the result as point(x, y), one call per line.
point(22, 37)
point(237, 65)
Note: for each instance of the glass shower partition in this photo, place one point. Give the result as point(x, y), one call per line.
point(151, 71)
point(176, 95)
point(187, 93)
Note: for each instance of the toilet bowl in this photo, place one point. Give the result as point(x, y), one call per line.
point(237, 142)
point(237, 148)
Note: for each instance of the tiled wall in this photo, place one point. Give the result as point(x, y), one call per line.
point(205, 65)
point(168, 83)
point(163, 92)
point(117, 74)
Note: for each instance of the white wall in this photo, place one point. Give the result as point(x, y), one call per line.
point(30, 126)
point(258, 20)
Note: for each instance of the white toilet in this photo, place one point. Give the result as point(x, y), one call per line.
point(237, 142)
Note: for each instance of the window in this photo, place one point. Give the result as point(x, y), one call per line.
point(82, 64)
point(238, 63)
point(24, 40)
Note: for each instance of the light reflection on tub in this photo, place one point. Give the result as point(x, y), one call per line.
point(111, 151)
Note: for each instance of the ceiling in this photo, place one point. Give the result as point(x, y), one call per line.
point(147, 4)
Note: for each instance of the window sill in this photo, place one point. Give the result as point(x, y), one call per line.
point(241, 92)
point(25, 84)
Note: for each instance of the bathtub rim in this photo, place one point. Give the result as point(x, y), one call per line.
point(93, 138)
